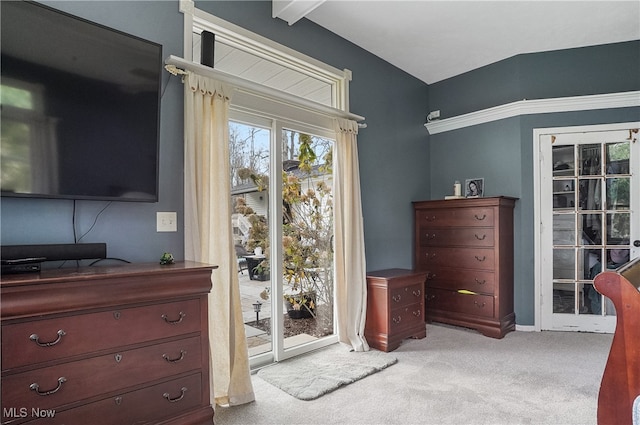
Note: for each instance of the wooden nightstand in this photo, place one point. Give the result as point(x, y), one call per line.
point(395, 307)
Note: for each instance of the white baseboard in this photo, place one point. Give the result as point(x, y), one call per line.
point(525, 328)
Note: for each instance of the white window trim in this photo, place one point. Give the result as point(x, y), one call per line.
point(236, 36)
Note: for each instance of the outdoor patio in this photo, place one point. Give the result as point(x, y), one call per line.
point(258, 340)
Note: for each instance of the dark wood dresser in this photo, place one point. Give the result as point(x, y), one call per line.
point(466, 248)
point(395, 307)
point(107, 345)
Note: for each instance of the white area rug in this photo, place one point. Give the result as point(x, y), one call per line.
point(312, 375)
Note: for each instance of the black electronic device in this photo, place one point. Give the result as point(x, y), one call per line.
point(28, 258)
point(80, 107)
point(22, 265)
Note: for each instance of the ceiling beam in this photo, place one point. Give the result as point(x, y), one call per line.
point(293, 10)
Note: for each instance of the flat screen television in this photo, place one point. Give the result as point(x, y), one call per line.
point(80, 107)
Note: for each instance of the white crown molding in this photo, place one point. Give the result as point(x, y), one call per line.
point(536, 106)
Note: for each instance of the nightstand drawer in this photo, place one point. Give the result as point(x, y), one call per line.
point(56, 338)
point(86, 378)
point(406, 317)
point(401, 297)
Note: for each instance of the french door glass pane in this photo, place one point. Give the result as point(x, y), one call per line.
point(618, 196)
point(618, 228)
point(618, 157)
point(563, 160)
point(591, 229)
point(590, 194)
point(563, 263)
point(590, 160)
point(564, 232)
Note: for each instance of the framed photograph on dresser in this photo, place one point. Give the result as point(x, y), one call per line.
point(474, 188)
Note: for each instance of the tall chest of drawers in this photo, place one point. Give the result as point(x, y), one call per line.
point(466, 248)
point(107, 345)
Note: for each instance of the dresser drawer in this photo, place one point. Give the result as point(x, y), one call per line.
point(406, 317)
point(401, 297)
point(456, 236)
point(48, 339)
point(455, 279)
point(145, 406)
point(90, 377)
point(476, 305)
point(446, 217)
point(472, 258)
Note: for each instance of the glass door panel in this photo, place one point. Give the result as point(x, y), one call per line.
point(249, 155)
point(307, 238)
point(590, 179)
point(283, 237)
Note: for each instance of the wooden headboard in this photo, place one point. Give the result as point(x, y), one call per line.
point(621, 379)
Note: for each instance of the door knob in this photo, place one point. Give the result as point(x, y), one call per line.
point(636, 243)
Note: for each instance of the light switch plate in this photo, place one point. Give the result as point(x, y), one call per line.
point(167, 221)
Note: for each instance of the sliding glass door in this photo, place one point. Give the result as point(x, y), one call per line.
point(283, 228)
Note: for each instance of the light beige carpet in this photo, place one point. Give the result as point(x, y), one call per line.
point(320, 372)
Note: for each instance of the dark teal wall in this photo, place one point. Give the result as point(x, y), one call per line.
point(129, 229)
point(399, 161)
point(609, 68)
point(393, 149)
point(502, 151)
point(394, 154)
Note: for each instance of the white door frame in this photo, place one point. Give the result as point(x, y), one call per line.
point(537, 175)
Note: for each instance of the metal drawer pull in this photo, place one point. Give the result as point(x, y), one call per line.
point(417, 293)
point(183, 390)
point(433, 236)
point(35, 387)
point(480, 282)
point(396, 298)
point(35, 338)
point(426, 254)
point(166, 357)
point(484, 257)
point(417, 313)
point(431, 218)
point(430, 297)
point(481, 238)
point(479, 305)
point(397, 319)
point(431, 276)
point(480, 218)
point(174, 322)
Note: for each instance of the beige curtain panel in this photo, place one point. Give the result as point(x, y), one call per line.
point(208, 233)
point(350, 264)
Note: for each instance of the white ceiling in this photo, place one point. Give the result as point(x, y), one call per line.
point(435, 40)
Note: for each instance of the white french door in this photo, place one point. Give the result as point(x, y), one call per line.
point(588, 203)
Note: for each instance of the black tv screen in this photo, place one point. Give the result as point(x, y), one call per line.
point(80, 108)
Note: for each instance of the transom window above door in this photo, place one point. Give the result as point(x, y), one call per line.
point(247, 55)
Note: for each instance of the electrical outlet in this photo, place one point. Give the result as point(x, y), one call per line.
point(167, 221)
